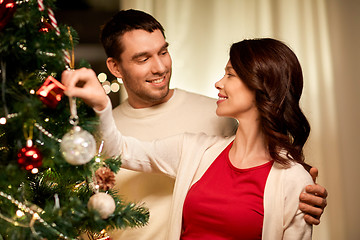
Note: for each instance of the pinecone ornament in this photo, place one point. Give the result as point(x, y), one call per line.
point(104, 178)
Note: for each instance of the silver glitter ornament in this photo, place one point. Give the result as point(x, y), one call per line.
point(78, 146)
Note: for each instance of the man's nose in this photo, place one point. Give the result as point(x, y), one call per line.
point(158, 65)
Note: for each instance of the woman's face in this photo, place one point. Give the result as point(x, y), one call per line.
point(236, 100)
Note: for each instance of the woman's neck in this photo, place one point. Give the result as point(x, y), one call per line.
point(248, 149)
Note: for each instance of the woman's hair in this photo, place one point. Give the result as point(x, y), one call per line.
point(122, 22)
point(272, 70)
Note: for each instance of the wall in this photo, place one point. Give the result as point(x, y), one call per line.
point(344, 21)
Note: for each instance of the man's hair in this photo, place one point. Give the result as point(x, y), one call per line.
point(271, 69)
point(122, 22)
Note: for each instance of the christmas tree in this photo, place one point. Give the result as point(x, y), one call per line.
point(54, 181)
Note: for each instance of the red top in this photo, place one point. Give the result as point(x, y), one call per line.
point(226, 203)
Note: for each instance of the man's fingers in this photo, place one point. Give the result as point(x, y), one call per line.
point(313, 200)
point(314, 172)
point(83, 83)
point(317, 190)
point(311, 220)
point(311, 210)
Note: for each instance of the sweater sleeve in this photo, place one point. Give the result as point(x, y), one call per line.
point(155, 156)
point(295, 227)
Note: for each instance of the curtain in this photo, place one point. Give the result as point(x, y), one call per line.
point(200, 33)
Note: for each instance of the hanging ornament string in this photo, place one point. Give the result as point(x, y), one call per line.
point(28, 134)
point(74, 119)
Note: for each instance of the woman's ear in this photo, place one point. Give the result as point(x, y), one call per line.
point(113, 67)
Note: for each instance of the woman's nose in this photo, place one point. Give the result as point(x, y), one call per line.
point(219, 85)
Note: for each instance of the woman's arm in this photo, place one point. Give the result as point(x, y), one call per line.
point(295, 226)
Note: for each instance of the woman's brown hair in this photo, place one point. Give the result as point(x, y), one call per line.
point(271, 69)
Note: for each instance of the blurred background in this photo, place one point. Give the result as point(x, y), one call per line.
point(325, 35)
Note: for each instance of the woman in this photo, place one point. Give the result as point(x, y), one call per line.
point(246, 186)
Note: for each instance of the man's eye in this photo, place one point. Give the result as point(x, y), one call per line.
point(164, 52)
point(143, 59)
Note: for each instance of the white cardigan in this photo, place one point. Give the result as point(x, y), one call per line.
point(186, 157)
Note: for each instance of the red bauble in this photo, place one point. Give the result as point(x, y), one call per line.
point(45, 26)
point(7, 9)
point(29, 157)
point(51, 92)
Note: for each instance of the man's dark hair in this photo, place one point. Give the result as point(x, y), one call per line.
point(122, 22)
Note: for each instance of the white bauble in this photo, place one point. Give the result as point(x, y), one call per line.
point(103, 203)
point(78, 146)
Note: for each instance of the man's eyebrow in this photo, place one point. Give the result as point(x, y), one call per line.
point(165, 46)
point(139, 55)
point(142, 54)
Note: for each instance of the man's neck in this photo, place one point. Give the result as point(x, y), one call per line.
point(138, 105)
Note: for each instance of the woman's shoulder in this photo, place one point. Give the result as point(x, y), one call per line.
point(294, 173)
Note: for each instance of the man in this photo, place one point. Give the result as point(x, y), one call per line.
point(138, 54)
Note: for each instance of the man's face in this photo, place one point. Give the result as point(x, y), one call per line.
point(145, 68)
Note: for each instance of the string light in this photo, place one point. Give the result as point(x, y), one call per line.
point(49, 54)
point(115, 87)
point(44, 131)
point(107, 89)
point(20, 213)
point(34, 216)
point(102, 77)
point(3, 120)
point(21, 2)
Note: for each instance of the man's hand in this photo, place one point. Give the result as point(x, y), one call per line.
point(313, 202)
point(84, 84)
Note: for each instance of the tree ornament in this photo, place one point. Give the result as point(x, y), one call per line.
point(45, 26)
point(103, 203)
point(7, 10)
point(78, 146)
point(29, 157)
point(104, 178)
point(51, 92)
point(103, 235)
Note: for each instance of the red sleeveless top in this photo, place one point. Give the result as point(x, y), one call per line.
point(226, 203)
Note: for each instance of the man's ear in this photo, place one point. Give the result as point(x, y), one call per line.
point(113, 67)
